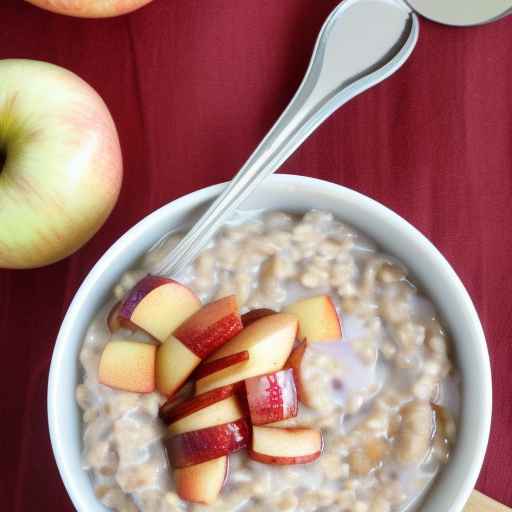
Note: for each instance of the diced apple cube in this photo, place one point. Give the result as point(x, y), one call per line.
point(128, 365)
point(295, 363)
point(269, 342)
point(272, 397)
point(272, 445)
point(211, 326)
point(206, 444)
point(255, 314)
point(206, 368)
point(318, 319)
point(227, 410)
point(202, 483)
point(174, 363)
point(158, 306)
point(174, 410)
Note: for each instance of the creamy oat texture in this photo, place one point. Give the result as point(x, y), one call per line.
point(385, 398)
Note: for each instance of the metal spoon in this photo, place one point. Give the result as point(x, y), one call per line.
point(462, 13)
point(361, 43)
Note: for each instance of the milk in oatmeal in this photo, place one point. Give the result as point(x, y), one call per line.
point(386, 398)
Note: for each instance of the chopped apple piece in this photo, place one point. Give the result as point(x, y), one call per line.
point(211, 327)
point(269, 342)
point(251, 316)
point(272, 397)
point(318, 319)
point(173, 411)
point(158, 306)
point(174, 363)
point(295, 363)
point(206, 369)
point(207, 444)
point(202, 483)
point(128, 365)
point(285, 446)
point(113, 320)
point(183, 395)
point(227, 410)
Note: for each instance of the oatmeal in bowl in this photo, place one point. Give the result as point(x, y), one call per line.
point(293, 366)
point(296, 365)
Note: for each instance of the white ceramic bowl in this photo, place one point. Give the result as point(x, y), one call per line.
point(298, 194)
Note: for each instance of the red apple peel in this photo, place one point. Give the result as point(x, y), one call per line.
point(272, 397)
point(209, 443)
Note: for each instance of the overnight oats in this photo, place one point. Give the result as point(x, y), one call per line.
point(292, 367)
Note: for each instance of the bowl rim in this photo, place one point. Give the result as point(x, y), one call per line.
point(56, 421)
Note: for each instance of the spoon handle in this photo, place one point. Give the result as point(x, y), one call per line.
point(319, 95)
point(481, 503)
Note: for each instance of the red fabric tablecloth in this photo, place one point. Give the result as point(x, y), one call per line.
point(193, 86)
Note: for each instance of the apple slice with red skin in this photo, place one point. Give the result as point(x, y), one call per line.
point(221, 412)
point(208, 443)
point(158, 306)
point(272, 445)
point(295, 363)
point(174, 364)
point(128, 365)
point(206, 369)
point(181, 353)
point(115, 322)
point(318, 319)
point(255, 314)
point(184, 394)
point(211, 326)
point(171, 412)
point(272, 397)
point(203, 482)
point(269, 342)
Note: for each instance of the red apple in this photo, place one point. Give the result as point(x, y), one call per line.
point(207, 444)
point(269, 342)
point(211, 327)
point(60, 163)
point(318, 319)
point(203, 482)
point(90, 8)
point(206, 369)
point(251, 316)
point(128, 365)
point(158, 305)
point(272, 445)
point(172, 411)
point(272, 397)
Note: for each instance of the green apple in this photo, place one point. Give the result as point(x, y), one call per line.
point(60, 163)
point(90, 8)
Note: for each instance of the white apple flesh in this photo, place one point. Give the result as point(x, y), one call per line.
point(285, 445)
point(218, 413)
point(60, 163)
point(202, 483)
point(90, 8)
point(269, 342)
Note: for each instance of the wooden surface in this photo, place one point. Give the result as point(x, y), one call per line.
point(480, 503)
